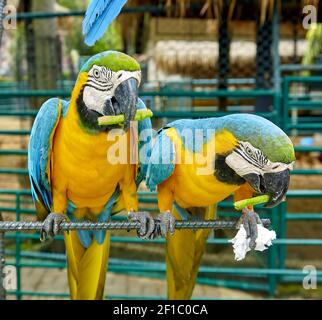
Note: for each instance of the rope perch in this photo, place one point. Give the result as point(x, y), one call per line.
point(6, 226)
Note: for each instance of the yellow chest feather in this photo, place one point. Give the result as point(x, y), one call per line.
point(81, 165)
point(194, 181)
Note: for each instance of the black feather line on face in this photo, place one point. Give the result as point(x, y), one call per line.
point(256, 159)
point(89, 117)
point(224, 173)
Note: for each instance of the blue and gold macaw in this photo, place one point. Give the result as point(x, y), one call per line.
point(198, 163)
point(70, 168)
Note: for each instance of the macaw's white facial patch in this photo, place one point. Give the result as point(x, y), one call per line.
point(101, 85)
point(246, 159)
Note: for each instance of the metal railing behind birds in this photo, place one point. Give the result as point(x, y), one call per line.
point(263, 279)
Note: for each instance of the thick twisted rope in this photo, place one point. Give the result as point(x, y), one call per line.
point(6, 226)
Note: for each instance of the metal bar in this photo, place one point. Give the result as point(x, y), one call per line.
point(277, 242)
point(306, 171)
point(304, 216)
point(305, 79)
point(305, 105)
point(308, 149)
point(81, 13)
point(156, 114)
point(272, 257)
point(25, 192)
point(34, 93)
point(202, 114)
point(307, 193)
point(282, 233)
point(211, 93)
point(300, 67)
point(18, 249)
point(276, 63)
point(67, 295)
point(161, 93)
point(119, 225)
point(13, 171)
point(15, 132)
point(285, 103)
point(307, 126)
point(2, 264)
point(295, 279)
point(161, 267)
point(12, 152)
point(200, 82)
point(304, 194)
point(23, 113)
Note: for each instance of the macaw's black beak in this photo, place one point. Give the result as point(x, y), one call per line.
point(125, 100)
point(274, 184)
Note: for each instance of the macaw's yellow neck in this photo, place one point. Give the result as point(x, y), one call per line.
point(72, 113)
point(193, 182)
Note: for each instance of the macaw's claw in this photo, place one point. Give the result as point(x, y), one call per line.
point(250, 219)
point(51, 225)
point(166, 224)
point(146, 230)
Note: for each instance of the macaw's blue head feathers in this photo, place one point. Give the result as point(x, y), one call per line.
point(261, 134)
point(263, 157)
point(108, 85)
point(99, 15)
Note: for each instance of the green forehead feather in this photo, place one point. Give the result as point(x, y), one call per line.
point(277, 149)
point(112, 60)
point(263, 135)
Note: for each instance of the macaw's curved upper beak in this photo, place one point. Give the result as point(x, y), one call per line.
point(125, 100)
point(274, 184)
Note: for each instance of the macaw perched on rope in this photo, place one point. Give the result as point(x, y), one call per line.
point(246, 154)
point(99, 15)
point(70, 171)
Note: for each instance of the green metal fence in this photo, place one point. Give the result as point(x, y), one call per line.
point(265, 277)
point(293, 103)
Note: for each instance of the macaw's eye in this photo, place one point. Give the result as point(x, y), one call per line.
point(249, 151)
point(96, 73)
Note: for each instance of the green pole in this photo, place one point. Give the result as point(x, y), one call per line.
point(285, 103)
point(272, 256)
point(282, 233)
point(276, 62)
point(18, 250)
point(2, 264)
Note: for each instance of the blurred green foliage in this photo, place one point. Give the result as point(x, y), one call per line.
point(314, 45)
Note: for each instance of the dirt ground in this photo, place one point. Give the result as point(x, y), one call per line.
point(117, 286)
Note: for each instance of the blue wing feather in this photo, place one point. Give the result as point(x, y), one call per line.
point(145, 143)
point(99, 15)
point(162, 161)
point(39, 150)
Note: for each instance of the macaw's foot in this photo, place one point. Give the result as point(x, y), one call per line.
point(166, 224)
point(51, 225)
point(146, 230)
point(250, 219)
